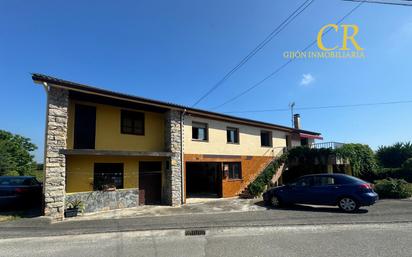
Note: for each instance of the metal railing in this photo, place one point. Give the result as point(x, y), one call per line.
point(331, 145)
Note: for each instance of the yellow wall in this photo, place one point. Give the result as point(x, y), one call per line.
point(249, 139)
point(79, 171)
point(108, 136)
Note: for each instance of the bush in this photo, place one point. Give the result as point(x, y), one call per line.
point(259, 184)
point(407, 165)
point(397, 173)
point(393, 188)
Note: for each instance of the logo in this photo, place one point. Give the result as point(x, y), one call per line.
point(348, 47)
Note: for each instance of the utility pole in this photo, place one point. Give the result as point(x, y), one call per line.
point(291, 105)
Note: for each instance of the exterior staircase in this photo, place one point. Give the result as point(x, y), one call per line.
point(244, 193)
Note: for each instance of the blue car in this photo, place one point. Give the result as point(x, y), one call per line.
point(347, 192)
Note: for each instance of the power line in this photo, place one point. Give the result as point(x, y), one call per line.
point(325, 107)
point(286, 63)
point(262, 44)
point(384, 2)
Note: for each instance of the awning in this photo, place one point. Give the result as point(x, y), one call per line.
point(303, 135)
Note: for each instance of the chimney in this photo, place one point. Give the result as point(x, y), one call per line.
point(296, 121)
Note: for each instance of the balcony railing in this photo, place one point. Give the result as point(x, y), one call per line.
point(331, 145)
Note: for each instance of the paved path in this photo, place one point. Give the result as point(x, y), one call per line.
point(384, 240)
point(385, 211)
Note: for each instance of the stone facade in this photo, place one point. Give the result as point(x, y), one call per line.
point(55, 163)
point(173, 143)
point(102, 201)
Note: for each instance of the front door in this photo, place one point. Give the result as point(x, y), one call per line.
point(150, 182)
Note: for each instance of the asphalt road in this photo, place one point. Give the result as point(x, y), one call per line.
point(386, 211)
point(364, 240)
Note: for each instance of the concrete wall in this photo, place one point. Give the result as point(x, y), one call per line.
point(108, 136)
point(249, 139)
point(103, 201)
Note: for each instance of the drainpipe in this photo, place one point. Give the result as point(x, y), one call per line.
point(182, 165)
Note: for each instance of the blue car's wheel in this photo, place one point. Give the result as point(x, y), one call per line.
point(347, 204)
point(275, 201)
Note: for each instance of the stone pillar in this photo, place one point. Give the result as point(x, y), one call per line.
point(54, 162)
point(173, 140)
point(330, 168)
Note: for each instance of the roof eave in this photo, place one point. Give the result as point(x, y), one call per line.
point(40, 79)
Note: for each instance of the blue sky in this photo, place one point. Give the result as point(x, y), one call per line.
point(176, 50)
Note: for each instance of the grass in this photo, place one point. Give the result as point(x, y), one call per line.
point(11, 215)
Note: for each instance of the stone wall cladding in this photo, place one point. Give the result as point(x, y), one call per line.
point(102, 201)
point(55, 163)
point(173, 140)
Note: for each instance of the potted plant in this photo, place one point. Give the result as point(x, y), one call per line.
point(109, 187)
point(73, 208)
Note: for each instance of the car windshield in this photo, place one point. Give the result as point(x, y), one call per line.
point(16, 181)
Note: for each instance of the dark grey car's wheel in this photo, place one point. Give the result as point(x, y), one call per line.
point(275, 201)
point(348, 204)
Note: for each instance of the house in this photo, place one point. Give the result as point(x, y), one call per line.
point(150, 152)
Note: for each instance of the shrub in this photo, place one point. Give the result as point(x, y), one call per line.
point(398, 173)
point(407, 165)
point(259, 184)
point(393, 188)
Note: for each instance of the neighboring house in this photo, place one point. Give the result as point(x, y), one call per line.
point(152, 152)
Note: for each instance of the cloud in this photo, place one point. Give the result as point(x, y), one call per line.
point(307, 79)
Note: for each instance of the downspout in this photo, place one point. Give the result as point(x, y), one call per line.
point(182, 165)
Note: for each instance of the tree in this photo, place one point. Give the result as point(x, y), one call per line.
point(395, 155)
point(361, 158)
point(15, 154)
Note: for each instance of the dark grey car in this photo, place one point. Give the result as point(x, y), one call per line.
point(19, 191)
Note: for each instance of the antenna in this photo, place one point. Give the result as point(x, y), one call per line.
point(291, 106)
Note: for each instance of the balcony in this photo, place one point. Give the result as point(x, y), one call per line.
point(330, 145)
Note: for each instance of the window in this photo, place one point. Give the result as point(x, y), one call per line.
point(84, 127)
point(199, 131)
point(266, 138)
point(288, 142)
point(132, 122)
point(323, 181)
point(303, 182)
point(232, 135)
point(232, 170)
point(304, 142)
point(107, 175)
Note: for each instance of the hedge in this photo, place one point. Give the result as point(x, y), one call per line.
point(259, 184)
point(393, 188)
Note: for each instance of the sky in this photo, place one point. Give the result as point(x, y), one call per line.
point(177, 50)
